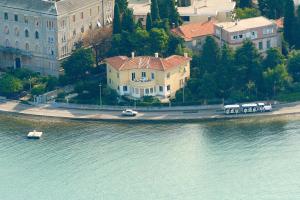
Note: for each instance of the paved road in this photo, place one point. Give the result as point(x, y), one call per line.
point(50, 111)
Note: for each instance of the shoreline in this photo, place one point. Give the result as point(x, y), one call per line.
point(16, 108)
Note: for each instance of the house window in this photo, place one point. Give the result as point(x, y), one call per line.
point(6, 16)
point(37, 35)
point(235, 37)
point(17, 32)
point(260, 45)
point(168, 75)
point(152, 76)
point(269, 44)
point(143, 74)
point(74, 18)
point(147, 91)
point(125, 88)
point(81, 15)
point(168, 87)
point(151, 90)
point(27, 47)
point(240, 36)
point(25, 19)
point(26, 33)
point(133, 76)
point(161, 88)
point(16, 18)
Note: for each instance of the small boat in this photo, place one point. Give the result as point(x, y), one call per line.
point(34, 135)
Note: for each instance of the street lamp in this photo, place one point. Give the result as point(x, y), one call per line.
point(100, 94)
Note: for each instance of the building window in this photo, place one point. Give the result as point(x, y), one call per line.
point(17, 32)
point(16, 18)
point(37, 35)
point(168, 75)
point(125, 88)
point(269, 44)
point(74, 18)
point(133, 76)
point(161, 88)
point(6, 16)
point(25, 19)
point(147, 91)
point(151, 90)
point(7, 44)
point(260, 45)
point(168, 87)
point(241, 36)
point(81, 15)
point(6, 30)
point(27, 47)
point(152, 76)
point(143, 74)
point(26, 33)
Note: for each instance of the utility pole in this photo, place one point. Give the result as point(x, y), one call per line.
point(100, 95)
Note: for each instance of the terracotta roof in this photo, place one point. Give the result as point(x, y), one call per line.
point(279, 22)
point(193, 30)
point(122, 63)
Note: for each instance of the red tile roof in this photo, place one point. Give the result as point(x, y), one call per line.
point(193, 30)
point(121, 63)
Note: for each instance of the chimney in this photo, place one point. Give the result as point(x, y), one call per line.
point(186, 55)
point(132, 55)
point(156, 55)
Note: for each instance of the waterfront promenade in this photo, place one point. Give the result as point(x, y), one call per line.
point(196, 113)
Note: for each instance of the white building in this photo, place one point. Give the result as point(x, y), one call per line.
point(198, 11)
point(39, 34)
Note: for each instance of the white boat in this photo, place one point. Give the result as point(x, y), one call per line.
point(34, 134)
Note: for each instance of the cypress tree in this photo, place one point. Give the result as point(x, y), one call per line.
point(123, 4)
point(173, 13)
point(149, 22)
point(128, 21)
point(245, 3)
point(289, 22)
point(117, 20)
point(297, 29)
point(154, 11)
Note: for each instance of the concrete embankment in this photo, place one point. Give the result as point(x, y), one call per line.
point(175, 115)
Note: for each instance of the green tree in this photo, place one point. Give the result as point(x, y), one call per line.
point(294, 65)
point(276, 79)
point(123, 5)
point(158, 39)
point(210, 55)
point(9, 85)
point(208, 87)
point(273, 9)
point(173, 16)
point(248, 65)
point(244, 3)
point(140, 38)
point(117, 20)
point(224, 72)
point(79, 64)
point(274, 57)
point(243, 13)
point(154, 11)
point(148, 22)
point(297, 28)
point(128, 21)
point(289, 22)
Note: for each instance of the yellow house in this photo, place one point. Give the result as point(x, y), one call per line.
point(147, 76)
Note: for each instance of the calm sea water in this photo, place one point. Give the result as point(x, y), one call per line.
point(241, 160)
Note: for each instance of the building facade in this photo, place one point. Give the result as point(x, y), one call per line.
point(197, 11)
point(147, 76)
point(260, 30)
point(39, 34)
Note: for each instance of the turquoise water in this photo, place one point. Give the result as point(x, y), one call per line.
point(242, 160)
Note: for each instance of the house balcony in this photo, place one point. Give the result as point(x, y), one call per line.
point(12, 50)
point(142, 83)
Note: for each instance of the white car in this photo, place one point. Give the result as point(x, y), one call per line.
point(129, 112)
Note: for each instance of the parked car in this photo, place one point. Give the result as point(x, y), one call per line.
point(129, 112)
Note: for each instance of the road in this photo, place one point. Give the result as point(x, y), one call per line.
point(185, 116)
